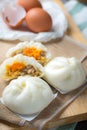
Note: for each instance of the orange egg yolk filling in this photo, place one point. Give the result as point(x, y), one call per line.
point(33, 52)
point(15, 67)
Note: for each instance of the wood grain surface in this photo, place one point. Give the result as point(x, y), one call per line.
point(77, 111)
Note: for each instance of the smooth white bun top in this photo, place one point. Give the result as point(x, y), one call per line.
point(65, 74)
point(27, 95)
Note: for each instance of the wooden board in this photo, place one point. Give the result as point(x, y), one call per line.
point(77, 111)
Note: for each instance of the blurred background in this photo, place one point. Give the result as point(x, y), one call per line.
point(78, 11)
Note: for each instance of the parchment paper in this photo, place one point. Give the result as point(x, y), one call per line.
point(59, 27)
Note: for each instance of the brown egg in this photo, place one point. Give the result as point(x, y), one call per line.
point(28, 4)
point(38, 20)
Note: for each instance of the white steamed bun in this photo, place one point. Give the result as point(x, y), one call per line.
point(65, 74)
point(27, 95)
point(44, 57)
point(6, 67)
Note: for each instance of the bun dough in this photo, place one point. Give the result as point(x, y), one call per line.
point(23, 45)
point(65, 74)
point(27, 95)
point(26, 44)
point(19, 59)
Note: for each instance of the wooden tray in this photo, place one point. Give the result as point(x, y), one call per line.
point(77, 111)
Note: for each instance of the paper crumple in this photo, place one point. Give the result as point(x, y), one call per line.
point(60, 24)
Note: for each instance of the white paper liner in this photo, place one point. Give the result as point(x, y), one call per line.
point(32, 116)
point(60, 24)
point(63, 102)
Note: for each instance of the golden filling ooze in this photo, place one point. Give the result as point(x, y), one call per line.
point(15, 67)
point(32, 52)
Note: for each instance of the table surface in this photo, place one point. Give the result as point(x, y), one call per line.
point(76, 111)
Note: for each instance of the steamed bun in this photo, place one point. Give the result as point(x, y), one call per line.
point(64, 74)
point(20, 65)
point(27, 95)
point(31, 49)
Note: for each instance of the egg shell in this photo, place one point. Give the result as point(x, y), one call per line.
point(13, 16)
point(28, 4)
point(38, 20)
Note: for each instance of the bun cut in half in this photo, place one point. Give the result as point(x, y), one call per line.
point(31, 49)
point(20, 65)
